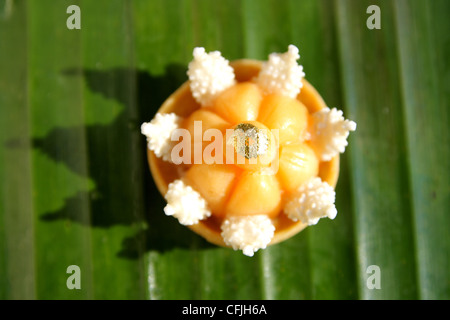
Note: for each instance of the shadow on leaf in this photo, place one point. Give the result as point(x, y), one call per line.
point(113, 156)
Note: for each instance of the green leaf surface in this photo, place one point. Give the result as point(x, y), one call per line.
point(75, 185)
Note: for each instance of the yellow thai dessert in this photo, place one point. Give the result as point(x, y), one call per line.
point(246, 153)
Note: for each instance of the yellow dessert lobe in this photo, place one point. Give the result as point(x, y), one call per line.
point(255, 193)
point(298, 163)
point(214, 182)
point(286, 114)
point(239, 103)
point(208, 120)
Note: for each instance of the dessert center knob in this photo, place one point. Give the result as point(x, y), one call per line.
point(250, 141)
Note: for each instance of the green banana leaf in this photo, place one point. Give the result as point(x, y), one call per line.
point(76, 188)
